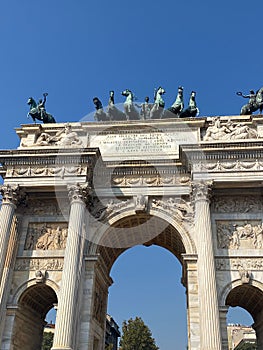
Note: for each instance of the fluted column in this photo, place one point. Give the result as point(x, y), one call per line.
point(73, 260)
point(210, 338)
point(7, 273)
point(9, 200)
point(223, 323)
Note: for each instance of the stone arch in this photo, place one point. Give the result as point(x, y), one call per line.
point(24, 286)
point(155, 227)
point(184, 230)
point(249, 296)
point(34, 300)
point(234, 284)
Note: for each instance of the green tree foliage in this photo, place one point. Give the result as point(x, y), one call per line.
point(136, 336)
point(248, 347)
point(109, 347)
point(47, 341)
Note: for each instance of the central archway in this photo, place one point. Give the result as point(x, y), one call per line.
point(142, 229)
point(147, 283)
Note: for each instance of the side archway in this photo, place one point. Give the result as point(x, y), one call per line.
point(33, 304)
point(248, 296)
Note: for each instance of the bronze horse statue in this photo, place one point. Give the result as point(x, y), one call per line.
point(148, 110)
point(38, 111)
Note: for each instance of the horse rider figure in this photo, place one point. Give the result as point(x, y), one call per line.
point(252, 97)
point(41, 106)
point(252, 102)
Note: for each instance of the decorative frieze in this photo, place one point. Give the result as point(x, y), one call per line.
point(158, 180)
point(244, 264)
point(239, 234)
point(56, 171)
point(36, 264)
point(217, 166)
point(237, 204)
point(46, 236)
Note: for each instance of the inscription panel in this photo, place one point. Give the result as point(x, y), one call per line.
point(140, 145)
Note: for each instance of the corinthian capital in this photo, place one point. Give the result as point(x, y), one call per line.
point(10, 194)
point(202, 190)
point(78, 192)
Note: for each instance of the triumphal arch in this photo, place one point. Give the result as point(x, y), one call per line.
point(75, 196)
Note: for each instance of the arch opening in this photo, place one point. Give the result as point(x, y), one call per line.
point(33, 306)
point(141, 231)
point(136, 230)
point(249, 298)
point(147, 284)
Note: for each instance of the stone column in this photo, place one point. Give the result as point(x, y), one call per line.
point(210, 337)
point(223, 323)
point(65, 333)
point(7, 273)
point(189, 280)
point(9, 199)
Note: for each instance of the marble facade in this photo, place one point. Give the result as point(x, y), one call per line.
point(76, 196)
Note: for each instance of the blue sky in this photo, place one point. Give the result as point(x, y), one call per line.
point(75, 50)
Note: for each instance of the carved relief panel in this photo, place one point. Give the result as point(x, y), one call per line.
point(46, 236)
point(239, 234)
point(26, 264)
point(237, 204)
